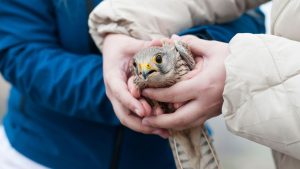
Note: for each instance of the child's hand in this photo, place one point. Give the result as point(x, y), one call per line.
point(135, 91)
point(202, 92)
point(118, 51)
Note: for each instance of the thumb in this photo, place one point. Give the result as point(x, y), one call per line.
point(135, 45)
point(197, 46)
point(141, 44)
point(134, 90)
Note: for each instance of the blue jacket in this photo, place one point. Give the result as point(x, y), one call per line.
point(58, 113)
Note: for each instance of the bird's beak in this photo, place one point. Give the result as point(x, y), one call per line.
point(146, 70)
point(144, 74)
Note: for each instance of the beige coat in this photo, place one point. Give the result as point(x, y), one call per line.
point(262, 90)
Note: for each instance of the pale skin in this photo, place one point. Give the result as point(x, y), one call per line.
point(117, 53)
point(199, 96)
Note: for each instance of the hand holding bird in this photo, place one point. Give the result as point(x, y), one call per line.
point(164, 66)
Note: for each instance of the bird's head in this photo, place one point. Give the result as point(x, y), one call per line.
point(154, 66)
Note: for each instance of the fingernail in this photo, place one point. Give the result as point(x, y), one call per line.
point(155, 112)
point(138, 112)
point(158, 111)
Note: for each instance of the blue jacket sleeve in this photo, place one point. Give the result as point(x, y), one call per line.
point(32, 60)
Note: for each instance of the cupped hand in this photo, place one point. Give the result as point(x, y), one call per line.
point(201, 91)
point(117, 53)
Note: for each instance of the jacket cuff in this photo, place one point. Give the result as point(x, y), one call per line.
point(250, 70)
point(107, 19)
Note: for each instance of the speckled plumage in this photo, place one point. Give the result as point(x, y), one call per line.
point(162, 67)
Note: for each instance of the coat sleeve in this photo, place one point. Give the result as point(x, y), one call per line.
point(261, 94)
point(150, 19)
point(33, 61)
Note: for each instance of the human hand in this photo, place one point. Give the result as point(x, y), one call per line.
point(202, 91)
point(117, 53)
point(135, 91)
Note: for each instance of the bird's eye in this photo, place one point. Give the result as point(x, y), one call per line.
point(158, 58)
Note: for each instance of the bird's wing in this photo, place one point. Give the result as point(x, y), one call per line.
point(185, 54)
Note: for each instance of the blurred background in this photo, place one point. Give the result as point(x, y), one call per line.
point(234, 152)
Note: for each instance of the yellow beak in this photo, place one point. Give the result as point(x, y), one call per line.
point(146, 70)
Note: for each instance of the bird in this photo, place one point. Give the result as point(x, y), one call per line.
point(163, 66)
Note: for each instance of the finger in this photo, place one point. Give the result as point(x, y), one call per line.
point(195, 71)
point(206, 116)
point(120, 91)
point(197, 123)
point(173, 94)
point(207, 113)
point(199, 60)
point(178, 105)
point(129, 120)
point(158, 111)
point(136, 126)
point(190, 74)
point(135, 123)
point(162, 133)
point(166, 40)
point(146, 106)
point(134, 90)
point(179, 120)
point(136, 45)
point(197, 45)
point(156, 42)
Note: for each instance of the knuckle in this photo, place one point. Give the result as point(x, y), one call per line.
point(130, 106)
point(123, 121)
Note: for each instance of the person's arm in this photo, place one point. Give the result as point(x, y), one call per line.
point(261, 95)
point(33, 61)
point(151, 19)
